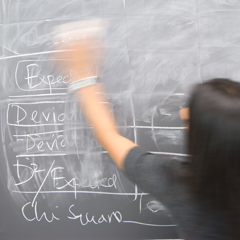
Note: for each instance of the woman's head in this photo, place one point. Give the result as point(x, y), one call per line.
point(214, 142)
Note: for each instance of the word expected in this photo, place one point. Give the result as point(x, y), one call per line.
point(35, 79)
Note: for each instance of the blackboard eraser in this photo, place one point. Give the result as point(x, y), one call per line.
point(80, 30)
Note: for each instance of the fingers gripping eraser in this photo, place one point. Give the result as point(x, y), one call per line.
point(80, 30)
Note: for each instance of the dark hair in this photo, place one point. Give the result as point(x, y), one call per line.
point(214, 143)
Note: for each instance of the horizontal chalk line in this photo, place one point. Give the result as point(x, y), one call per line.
point(24, 135)
point(60, 124)
point(82, 152)
point(41, 155)
point(32, 54)
point(38, 95)
point(91, 192)
point(148, 224)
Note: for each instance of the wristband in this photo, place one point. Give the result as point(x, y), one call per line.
point(72, 87)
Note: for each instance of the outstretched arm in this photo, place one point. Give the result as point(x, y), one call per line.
point(97, 114)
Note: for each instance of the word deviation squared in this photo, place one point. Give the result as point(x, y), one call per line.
point(55, 143)
point(40, 75)
point(35, 144)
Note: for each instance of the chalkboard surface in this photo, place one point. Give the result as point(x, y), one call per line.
point(56, 182)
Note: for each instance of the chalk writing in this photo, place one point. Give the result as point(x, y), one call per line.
point(43, 169)
point(21, 172)
point(23, 116)
point(35, 79)
point(85, 219)
point(34, 214)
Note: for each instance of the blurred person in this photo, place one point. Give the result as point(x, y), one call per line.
point(201, 193)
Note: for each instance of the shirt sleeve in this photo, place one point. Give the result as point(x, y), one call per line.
point(158, 175)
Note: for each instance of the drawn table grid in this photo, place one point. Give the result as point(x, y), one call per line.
point(156, 51)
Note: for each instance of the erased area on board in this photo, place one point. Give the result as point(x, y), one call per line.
point(166, 72)
point(219, 29)
point(223, 61)
point(218, 6)
point(161, 140)
point(161, 110)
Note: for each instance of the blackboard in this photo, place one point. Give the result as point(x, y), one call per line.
point(56, 182)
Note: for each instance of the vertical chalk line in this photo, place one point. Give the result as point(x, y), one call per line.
point(124, 3)
point(199, 47)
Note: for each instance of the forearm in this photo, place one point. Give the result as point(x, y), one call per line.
point(99, 115)
point(97, 111)
point(84, 55)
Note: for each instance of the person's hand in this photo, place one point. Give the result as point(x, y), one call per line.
point(184, 115)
